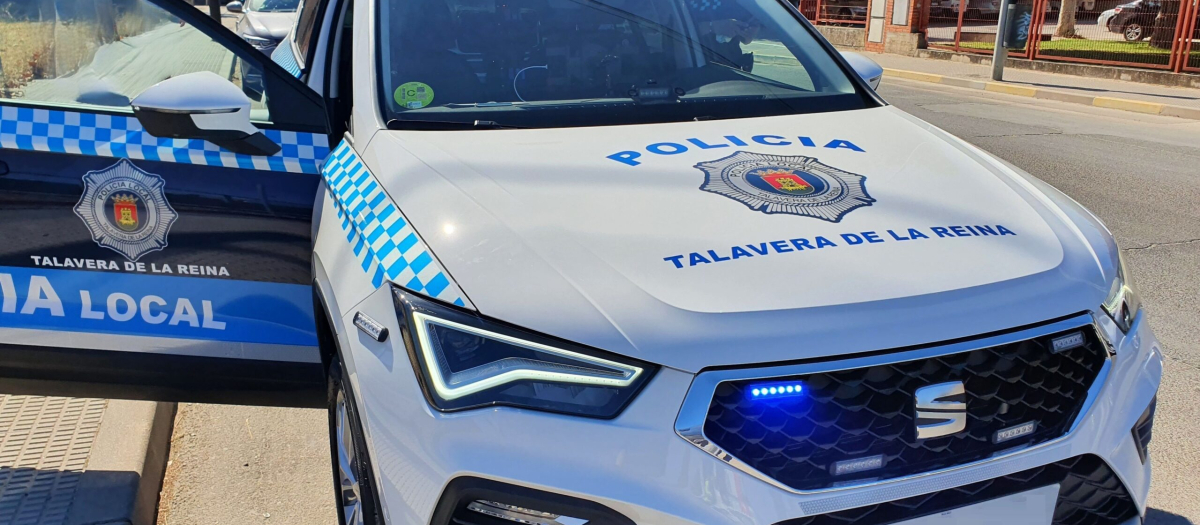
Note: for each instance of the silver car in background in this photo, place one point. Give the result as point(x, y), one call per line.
point(264, 24)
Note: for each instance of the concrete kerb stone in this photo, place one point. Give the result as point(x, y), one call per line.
point(1139, 106)
point(964, 83)
point(126, 465)
point(914, 75)
point(1063, 96)
point(1145, 76)
point(1181, 112)
point(1128, 105)
point(1011, 89)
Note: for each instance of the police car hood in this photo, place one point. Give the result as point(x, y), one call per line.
point(715, 243)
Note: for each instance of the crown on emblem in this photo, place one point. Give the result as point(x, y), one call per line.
point(124, 199)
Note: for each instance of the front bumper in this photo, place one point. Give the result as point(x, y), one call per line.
point(638, 466)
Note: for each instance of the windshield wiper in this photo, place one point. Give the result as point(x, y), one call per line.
point(444, 125)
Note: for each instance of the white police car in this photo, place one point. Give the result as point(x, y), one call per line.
point(573, 261)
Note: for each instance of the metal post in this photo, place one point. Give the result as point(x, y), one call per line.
point(1000, 54)
point(214, 10)
point(962, 11)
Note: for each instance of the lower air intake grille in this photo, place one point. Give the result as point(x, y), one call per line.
point(1089, 494)
point(1017, 394)
point(1141, 430)
point(476, 501)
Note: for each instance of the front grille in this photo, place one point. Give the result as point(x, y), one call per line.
point(1089, 493)
point(849, 415)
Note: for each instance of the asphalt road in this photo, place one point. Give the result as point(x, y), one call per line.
point(1140, 174)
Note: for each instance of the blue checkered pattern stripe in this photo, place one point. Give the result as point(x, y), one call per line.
point(285, 56)
point(386, 245)
point(123, 137)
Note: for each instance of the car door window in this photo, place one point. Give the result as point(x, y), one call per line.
point(102, 54)
point(306, 27)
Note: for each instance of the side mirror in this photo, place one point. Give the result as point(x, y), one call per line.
point(204, 106)
point(234, 7)
point(865, 67)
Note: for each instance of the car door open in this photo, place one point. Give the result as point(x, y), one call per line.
point(157, 240)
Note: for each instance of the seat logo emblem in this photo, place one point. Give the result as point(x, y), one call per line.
point(941, 410)
point(126, 209)
point(781, 184)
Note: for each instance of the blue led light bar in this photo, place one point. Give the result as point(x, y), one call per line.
point(775, 390)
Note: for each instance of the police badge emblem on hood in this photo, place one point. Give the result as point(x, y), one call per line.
point(743, 241)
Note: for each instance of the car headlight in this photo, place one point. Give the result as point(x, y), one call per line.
point(260, 43)
point(1123, 302)
point(466, 361)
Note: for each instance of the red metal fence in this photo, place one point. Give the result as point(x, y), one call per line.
point(808, 8)
point(1190, 46)
point(971, 30)
point(842, 12)
point(834, 12)
point(1156, 34)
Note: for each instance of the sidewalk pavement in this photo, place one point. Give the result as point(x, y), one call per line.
point(72, 461)
point(244, 465)
point(1116, 94)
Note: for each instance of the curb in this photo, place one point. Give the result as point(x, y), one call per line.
point(1139, 106)
point(126, 465)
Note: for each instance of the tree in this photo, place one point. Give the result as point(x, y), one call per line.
point(1163, 35)
point(1066, 19)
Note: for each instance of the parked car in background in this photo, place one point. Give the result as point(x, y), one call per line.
point(1134, 20)
point(844, 9)
point(1097, 5)
point(1104, 17)
point(263, 23)
point(976, 9)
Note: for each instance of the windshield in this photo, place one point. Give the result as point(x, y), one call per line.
point(273, 6)
point(555, 63)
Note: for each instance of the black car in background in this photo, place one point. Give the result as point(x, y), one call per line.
point(1134, 20)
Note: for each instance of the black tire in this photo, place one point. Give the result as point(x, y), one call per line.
point(339, 395)
point(974, 14)
point(1133, 32)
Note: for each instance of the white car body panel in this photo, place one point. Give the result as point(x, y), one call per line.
point(574, 246)
point(346, 284)
point(560, 184)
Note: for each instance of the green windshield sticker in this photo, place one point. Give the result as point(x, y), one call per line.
point(414, 95)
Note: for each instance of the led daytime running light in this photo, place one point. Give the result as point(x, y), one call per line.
point(1123, 303)
point(450, 385)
